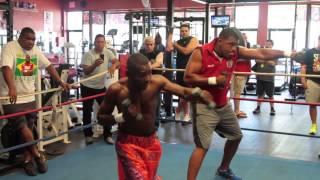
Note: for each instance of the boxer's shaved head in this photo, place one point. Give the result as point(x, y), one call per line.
point(228, 32)
point(138, 71)
point(227, 44)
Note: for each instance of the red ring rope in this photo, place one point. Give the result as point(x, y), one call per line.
point(49, 107)
point(102, 94)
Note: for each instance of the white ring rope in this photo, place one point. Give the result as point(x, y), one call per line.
point(159, 69)
point(277, 74)
point(249, 73)
point(59, 88)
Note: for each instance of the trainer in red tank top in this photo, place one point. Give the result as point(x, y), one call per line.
point(213, 66)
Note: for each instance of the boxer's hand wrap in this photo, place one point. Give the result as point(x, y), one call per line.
point(119, 118)
point(212, 81)
point(198, 93)
point(287, 53)
point(125, 107)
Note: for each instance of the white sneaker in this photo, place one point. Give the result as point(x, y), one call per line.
point(186, 118)
point(109, 140)
point(177, 116)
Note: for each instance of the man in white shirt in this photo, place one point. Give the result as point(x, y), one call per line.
point(97, 60)
point(20, 63)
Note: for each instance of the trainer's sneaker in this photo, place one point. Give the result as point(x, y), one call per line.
point(256, 111)
point(272, 112)
point(313, 129)
point(177, 116)
point(227, 174)
point(186, 119)
point(29, 168)
point(41, 163)
point(109, 140)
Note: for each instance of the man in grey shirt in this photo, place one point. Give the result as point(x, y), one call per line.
point(97, 60)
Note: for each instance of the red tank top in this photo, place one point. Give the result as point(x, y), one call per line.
point(243, 66)
point(213, 67)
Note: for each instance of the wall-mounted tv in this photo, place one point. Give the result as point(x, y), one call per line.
point(220, 21)
point(155, 21)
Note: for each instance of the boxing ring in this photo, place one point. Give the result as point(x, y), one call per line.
point(63, 134)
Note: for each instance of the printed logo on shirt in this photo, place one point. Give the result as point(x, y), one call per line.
point(26, 67)
point(210, 65)
point(316, 63)
point(229, 64)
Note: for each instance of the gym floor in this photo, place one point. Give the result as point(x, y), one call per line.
point(288, 119)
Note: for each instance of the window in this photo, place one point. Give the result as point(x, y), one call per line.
point(301, 23)
point(247, 17)
point(314, 26)
point(281, 16)
point(97, 24)
point(117, 21)
point(74, 20)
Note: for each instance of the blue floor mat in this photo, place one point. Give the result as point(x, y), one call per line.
point(98, 162)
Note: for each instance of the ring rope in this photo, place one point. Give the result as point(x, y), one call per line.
point(168, 69)
point(278, 132)
point(160, 69)
point(76, 129)
point(276, 101)
point(59, 88)
point(101, 94)
point(248, 73)
point(50, 107)
point(250, 129)
point(277, 74)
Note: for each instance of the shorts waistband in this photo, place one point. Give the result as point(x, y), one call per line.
point(138, 140)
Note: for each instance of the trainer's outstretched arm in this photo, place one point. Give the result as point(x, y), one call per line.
point(264, 53)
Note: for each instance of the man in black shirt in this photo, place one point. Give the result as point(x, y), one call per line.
point(184, 48)
point(265, 84)
point(154, 56)
point(311, 65)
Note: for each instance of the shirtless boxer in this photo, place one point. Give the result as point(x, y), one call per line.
point(137, 146)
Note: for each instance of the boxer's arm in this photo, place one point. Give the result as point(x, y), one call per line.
point(263, 53)
point(259, 61)
point(194, 66)
point(169, 44)
point(303, 72)
point(115, 63)
point(186, 93)
point(191, 75)
point(8, 77)
point(158, 61)
point(104, 115)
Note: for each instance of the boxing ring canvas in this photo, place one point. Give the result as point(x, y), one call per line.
point(98, 162)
